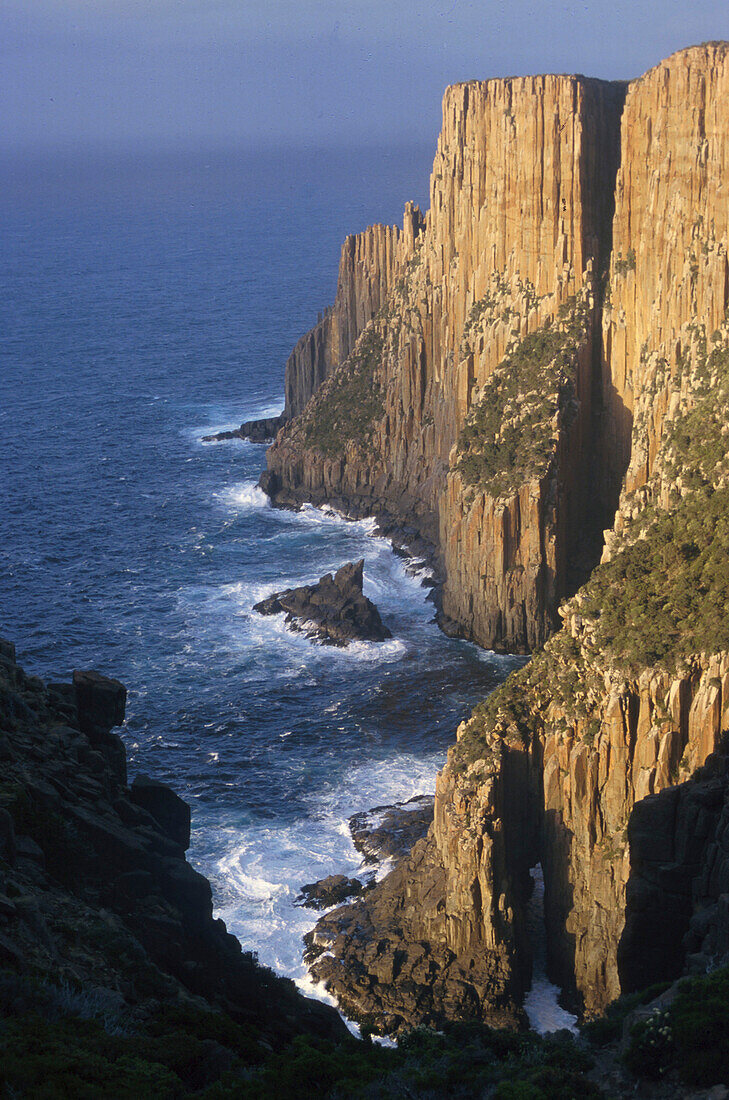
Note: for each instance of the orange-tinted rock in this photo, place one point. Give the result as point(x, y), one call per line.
point(591, 773)
point(521, 201)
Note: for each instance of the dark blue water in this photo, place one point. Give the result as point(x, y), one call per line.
point(144, 304)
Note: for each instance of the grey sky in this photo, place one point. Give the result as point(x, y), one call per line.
point(233, 72)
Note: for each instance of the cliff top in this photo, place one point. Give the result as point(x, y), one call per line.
point(534, 78)
point(719, 47)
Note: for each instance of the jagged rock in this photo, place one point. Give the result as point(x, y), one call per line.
point(332, 890)
point(389, 832)
point(257, 431)
point(334, 610)
point(170, 812)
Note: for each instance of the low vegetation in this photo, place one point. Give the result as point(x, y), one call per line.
point(350, 401)
point(690, 1037)
point(510, 433)
point(665, 594)
point(49, 1049)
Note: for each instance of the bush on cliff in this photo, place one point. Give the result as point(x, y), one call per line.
point(690, 1037)
point(509, 434)
point(350, 401)
point(184, 1051)
point(666, 595)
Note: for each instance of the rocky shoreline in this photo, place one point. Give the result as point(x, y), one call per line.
point(95, 888)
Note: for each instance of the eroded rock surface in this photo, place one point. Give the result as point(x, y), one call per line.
point(333, 611)
point(389, 832)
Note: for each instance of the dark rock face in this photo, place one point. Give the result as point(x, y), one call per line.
point(94, 885)
point(332, 890)
point(677, 897)
point(334, 610)
point(257, 431)
point(101, 702)
point(389, 832)
point(167, 808)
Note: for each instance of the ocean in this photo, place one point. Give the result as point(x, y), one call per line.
point(148, 301)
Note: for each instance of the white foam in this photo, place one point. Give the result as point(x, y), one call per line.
point(262, 866)
point(225, 418)
point(541, 1002)
point(247, 496)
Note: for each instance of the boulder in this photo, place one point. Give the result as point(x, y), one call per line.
point(170, 812)
point(332, 890)
point(101, 701)
point(333, 611)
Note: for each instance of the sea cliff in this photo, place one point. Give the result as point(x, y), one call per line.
point(552, 359)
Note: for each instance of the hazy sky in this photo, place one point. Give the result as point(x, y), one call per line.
point(234, 72)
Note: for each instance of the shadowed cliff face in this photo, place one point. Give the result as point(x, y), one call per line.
point(511, 396)
point(97, 898)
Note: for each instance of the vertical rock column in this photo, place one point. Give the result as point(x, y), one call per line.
point(669, 261)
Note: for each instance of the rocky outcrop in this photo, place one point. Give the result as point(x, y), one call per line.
point(521, 201)
point(389, 832)
point(97, 901)
point(257, 431)
point(334, 611)
point(332, 890)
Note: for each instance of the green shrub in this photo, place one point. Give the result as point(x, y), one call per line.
point(350, 401)
point(623, 266)
point(509, 434)
point(609, 1027)
point(691, 1036)
point(700, 1023)
point(666, 595)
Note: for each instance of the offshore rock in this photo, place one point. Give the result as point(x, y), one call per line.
point(256, 431)
point(333, 611)
point(332, 890)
